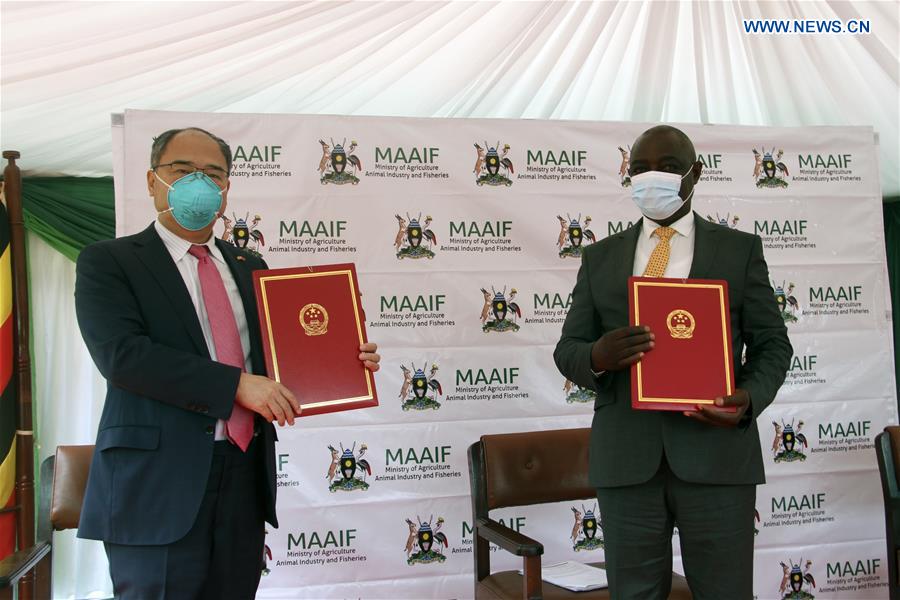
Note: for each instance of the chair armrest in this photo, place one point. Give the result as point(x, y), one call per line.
point(508, 539)
point(17, 564)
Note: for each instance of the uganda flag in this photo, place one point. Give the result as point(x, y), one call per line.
point(7, 395)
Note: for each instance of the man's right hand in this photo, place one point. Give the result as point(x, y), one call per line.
point(621, 348)
point(268, 398)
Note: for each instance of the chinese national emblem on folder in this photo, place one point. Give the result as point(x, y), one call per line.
point(312, 325)
point(691, 362)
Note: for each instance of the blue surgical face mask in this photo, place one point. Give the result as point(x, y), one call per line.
point(194, 200)
point(656, 193)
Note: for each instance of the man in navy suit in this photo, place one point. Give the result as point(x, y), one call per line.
point(183, 474)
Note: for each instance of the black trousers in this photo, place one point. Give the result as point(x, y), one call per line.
point(715, 526)
point(221, 557)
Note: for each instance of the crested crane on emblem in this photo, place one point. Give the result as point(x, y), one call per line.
point(794, 579)
point(769, 171)
point(502, 309)
point(344, 465)
point(787, 303)
point(240, 234)
point(488, 163)
point(409, 239)
point(255, 234)
point(786, 447)
point(420, 391)
point(422, 535)
point(337, 165)
point(572, 235)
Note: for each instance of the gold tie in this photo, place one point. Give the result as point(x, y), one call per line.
point(659, 258)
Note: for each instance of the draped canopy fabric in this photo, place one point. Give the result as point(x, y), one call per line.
point(67, 65)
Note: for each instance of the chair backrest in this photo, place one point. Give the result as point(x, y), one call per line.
point(63, 480)
point(535, 467)
point(70, 474)
point(893, 432)
point(887, 449)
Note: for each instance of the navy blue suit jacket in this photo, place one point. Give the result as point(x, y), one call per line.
point(155, 440)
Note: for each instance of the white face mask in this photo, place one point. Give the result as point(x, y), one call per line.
point(656, 193)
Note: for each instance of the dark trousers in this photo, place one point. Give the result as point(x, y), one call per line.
point(221, 557)
point(715, 525)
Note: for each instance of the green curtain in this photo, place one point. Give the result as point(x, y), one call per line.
point(892, 247)
point(69, 212)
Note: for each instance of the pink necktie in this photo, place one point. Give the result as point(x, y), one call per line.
point(227, 340)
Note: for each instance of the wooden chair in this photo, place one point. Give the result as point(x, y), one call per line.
point(63, 479)
point(887, 448)
point(520, 469)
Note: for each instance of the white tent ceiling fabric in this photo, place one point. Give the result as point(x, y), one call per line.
point(66, 66)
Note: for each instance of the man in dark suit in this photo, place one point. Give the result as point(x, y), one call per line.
point(183, 475)
point(696, 469)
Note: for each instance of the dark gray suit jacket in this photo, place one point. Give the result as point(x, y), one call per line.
point(155, 440)
point(627, 445)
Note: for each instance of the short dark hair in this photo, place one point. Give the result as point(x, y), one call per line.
point(162, 140)
point(685, 143)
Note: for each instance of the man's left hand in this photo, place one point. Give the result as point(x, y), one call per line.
point(369, 357)
point(712, 415)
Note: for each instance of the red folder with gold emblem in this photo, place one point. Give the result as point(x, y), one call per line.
point(691, 361)
point(312, 325)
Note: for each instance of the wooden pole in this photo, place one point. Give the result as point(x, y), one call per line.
point(12, 187)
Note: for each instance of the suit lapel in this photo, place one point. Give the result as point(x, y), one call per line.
point(244, 279)
point(706, 242)
point(626, 243)
point(150, 249)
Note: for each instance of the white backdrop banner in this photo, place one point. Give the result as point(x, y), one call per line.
point(442, 216)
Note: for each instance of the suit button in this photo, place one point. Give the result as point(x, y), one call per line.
point(210, 429)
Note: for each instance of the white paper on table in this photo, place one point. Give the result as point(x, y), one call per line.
point(574, 576)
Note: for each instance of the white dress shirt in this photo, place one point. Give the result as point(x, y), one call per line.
point(187, 267)
point(681, 251)
point(681, 247)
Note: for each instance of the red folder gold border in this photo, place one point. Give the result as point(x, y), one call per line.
point(263, 281)
point(681, 402)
